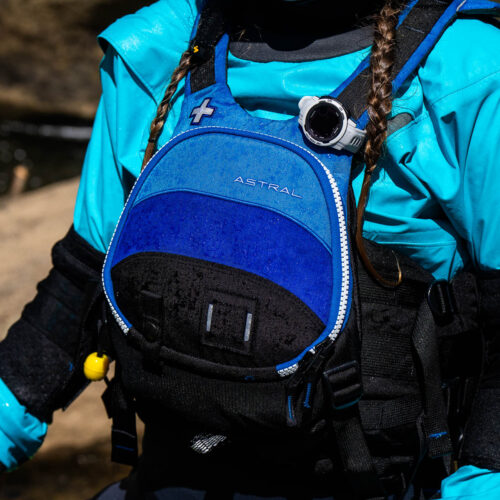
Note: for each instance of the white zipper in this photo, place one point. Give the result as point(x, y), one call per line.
point(344, 243)
point(345, 267)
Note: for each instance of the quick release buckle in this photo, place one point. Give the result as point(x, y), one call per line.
point(343, 385)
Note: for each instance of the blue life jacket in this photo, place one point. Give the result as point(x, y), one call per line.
point(240, 304)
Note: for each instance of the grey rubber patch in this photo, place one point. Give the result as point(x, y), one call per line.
point(398, 122)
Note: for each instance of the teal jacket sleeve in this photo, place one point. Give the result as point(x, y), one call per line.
point(467, 123)
point(471, 483)
point(141, 52)
point(21, 434)
point(114, 152)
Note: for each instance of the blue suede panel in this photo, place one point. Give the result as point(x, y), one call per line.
point(275, 178)
point(250, 238)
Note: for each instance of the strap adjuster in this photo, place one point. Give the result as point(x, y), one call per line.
point(343, 385)
point(441, 300)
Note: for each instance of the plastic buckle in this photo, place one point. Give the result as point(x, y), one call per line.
point(343, 385)
point(441, 301)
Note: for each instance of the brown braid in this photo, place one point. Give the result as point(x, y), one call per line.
point(379, 107)
point(157, 124)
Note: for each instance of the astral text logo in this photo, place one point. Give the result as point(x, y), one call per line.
point(269, 186)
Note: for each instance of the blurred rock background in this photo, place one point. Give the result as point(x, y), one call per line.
point(49, 88)
point(49, 57)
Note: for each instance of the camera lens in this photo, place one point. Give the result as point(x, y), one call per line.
point(324, 121)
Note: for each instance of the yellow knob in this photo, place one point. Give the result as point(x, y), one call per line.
point(95, 366)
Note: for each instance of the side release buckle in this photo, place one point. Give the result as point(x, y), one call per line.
point(343, 385)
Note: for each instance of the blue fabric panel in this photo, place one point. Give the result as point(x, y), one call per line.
point(241, 168)
point(221, 52)
point(21, 434)
point(245, 237)
point(478, 6)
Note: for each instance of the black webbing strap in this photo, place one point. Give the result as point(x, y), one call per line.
point(435, 425)
point(123, 431)
point(211, 27)
point(354, 454)
point(410, 34)
point(343, 388)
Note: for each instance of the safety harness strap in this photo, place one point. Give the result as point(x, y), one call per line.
point(353, 451)
point(435, 426)
point(123, 432)
point(342, 386)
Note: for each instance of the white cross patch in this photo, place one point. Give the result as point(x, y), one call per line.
point(200, 112)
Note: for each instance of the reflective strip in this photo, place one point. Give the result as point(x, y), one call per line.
point(205, 443)
point(209, 317)
point(248, 327)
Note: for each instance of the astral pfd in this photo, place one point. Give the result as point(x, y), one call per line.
point(242, 311)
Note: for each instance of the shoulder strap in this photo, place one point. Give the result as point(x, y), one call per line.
point(414, 28)
point(210, 28)
point(421, 25)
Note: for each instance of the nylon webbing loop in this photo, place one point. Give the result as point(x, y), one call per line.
point(410, 35)
point(211, 27)
point(343, 384)
point(435, 425)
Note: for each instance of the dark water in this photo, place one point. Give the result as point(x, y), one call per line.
point(51, 151)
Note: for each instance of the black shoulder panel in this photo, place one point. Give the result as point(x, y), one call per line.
point(41, 355)
point(482, 435)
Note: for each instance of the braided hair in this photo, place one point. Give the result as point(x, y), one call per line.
point(379, 106)
point(182, 69)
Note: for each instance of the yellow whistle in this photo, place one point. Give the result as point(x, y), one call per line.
point(95, 366)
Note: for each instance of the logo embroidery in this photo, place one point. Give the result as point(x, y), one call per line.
point(200, 112)
point(270, 186)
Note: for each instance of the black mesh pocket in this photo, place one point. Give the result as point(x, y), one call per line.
point(213, 312)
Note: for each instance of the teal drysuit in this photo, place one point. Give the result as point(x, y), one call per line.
point(433, 196)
